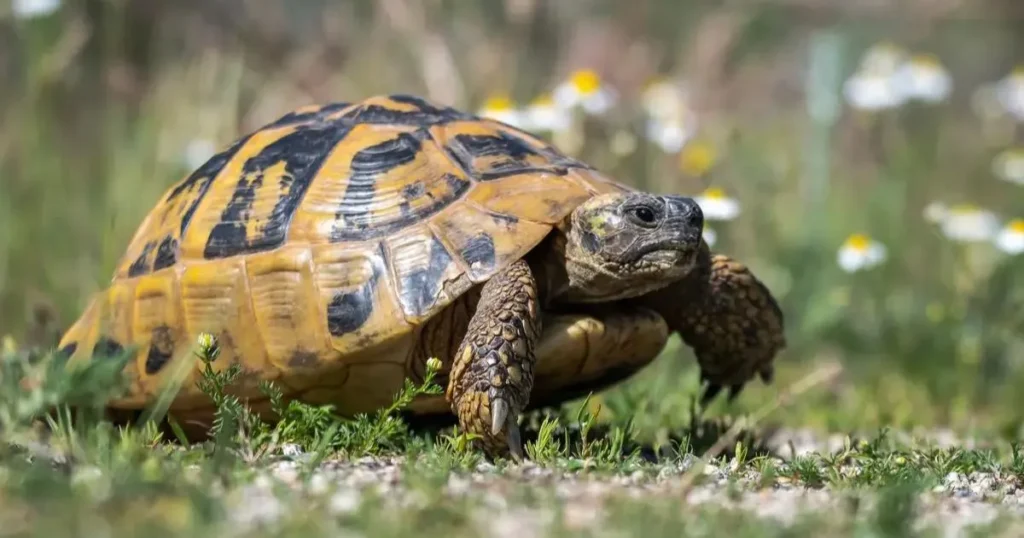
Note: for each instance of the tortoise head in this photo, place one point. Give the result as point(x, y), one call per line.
point(627, 244)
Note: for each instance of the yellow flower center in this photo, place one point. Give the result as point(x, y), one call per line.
point(714, 193)
point(964, 209)
point(1016, 226)
point(696, 159)
point(586, 81)
point(543, 100)
point(858, 242)
point(500, 102)
point(929, 61)
point(9, 345)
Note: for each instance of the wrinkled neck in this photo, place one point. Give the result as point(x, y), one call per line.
point(548, 264)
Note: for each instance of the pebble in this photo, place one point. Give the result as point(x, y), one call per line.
point(960, 500)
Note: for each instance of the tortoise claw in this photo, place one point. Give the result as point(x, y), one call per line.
point(502, 419)
point(499, 415)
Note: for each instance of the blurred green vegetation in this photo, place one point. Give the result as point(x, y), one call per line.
point(103, 102)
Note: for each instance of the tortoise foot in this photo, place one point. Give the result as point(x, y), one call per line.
point(492, 375)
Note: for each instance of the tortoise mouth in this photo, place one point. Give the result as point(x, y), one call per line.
point(677, 250)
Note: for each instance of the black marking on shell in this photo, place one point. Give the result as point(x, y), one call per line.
point(141, 264)
point(426, 113)
point(65, 353)
point(294, 117)
point(464, 148)
point(107, 347)
point(161, 349)
point(349, 311)
point(200, 179)
point(166, 253)
point(302, 151)
point(204, 177)
point(354, 219)
point(479, 252)
point(420, 287)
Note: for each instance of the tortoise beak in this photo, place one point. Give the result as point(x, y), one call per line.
point(683, 214)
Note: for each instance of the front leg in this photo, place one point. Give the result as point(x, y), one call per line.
point(729, 319)
point(492, 375)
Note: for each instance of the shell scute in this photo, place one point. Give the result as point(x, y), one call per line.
point(283, 294)
point(426, 272)
point(268, 188)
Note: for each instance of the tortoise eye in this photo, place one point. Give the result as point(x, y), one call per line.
point(643, 214)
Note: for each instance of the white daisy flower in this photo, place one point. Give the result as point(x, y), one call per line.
point(1009, 165)
point(500, 107)
point(872, 90)
point(710, 236)
point(924, 78)
point(1010, 93)
point(669, 135)
point(664, 99)
point(197, 152)
point(935, 212)
point(1011, 238)
point(585, 89)
point(860, 252)
point(716, 205)
point(543, 114)
point(985, 102)
point(967, 223)
point(884, 57)
point(30, 9)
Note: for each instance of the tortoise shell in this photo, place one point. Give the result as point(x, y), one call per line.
point(315, 246)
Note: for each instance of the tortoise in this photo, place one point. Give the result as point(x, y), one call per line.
point(337, 249)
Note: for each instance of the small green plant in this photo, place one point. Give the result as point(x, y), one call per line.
point(545, 449)
point(315, 429)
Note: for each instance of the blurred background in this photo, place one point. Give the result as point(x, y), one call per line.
point(865, 158)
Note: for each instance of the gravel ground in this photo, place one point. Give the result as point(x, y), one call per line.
point(961, 501)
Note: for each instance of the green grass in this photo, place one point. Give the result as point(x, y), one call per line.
point(98, 104)
point(66, 470)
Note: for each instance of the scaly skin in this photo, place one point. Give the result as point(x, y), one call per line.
point(492, 374)
point(638, 248)
point(729, 319)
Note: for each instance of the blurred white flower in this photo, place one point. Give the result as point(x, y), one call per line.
point(543, 114)
point(1009, 165)
point(710, 236)
point(872, 90)
point(1010, 93)
point(584, 88)
point(934, 212)
point(197, 152)
point(923, 77)
point(985, 102)
point(859, 252)
point(1011, 238)
point(30, 9)
point(883, 57)
point(670, 134)
point(665, 99)
point(716, 205)
point(967, 223)
point(499, 107)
